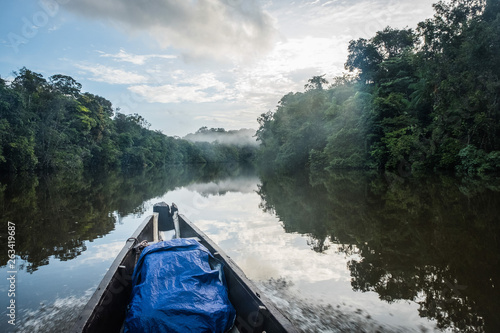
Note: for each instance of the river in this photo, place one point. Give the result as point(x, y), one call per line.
point(337, 252)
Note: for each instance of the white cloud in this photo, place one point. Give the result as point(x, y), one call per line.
point(250, 88)
point(222, 29)
point(200, 88)
point(314, 35)
point(171, 94)
point(134, 58)
point(111, 75)
point(287, 68)
point(356, 18)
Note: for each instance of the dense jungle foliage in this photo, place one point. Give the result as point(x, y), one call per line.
point(51, 125)
point(415, 100)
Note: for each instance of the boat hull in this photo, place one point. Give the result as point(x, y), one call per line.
point(106, 310)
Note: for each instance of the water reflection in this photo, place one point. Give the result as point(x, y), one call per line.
point(241, 179)
point(432, 241)
point(55, 215)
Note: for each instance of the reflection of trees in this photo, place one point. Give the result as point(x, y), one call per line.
point(433, 241)
point(55, 215)
point(290, 199)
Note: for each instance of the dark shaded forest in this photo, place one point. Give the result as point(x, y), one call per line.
point(50, 125)
point(415, 100)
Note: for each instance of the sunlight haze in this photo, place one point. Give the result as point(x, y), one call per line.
point(187, 64)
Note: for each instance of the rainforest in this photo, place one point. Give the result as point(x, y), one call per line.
point(416, 100)
point(366, 201)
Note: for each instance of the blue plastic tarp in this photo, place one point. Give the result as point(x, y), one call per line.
point(178, 286)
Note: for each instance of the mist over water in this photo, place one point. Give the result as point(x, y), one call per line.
point(242, 137)
point(336, 253)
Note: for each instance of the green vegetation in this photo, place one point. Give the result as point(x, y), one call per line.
point(50, 125)
point(416, 100)
point(421, 99)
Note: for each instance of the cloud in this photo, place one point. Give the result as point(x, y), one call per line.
point(111, 75)
point(356, 18)
point(222, 187)
point(287, 68)
point(135, 58)
point(257, 87)
point(198, 89)
point(221, 29)
point(315, 38)
point(169, 93)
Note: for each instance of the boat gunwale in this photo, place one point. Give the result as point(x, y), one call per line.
point(270, 311)
point(90, 310)
point(266, 312)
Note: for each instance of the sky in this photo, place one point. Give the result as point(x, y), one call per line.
point(184, 64)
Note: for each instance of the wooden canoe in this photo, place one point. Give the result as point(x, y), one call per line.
point(106, 309)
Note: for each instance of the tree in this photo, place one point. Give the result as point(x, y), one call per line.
point(28, 82)
point(391, 43)
point(66, 85)
point(363, 57)
point(316, 82)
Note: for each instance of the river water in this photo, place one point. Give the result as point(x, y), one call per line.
point(339, 252)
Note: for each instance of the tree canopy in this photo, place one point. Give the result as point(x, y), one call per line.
point(51, 125)
point(419, 99)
